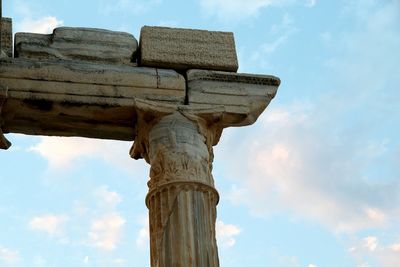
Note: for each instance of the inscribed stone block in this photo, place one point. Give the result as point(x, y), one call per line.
point(183, 49)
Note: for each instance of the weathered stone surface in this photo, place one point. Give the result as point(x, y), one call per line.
point(182, 199)
point(174, 127)
point(84, 44)
point(4, 143)
point(6, 37)
point(67, 98)
point(240, 97)
point(183, 49)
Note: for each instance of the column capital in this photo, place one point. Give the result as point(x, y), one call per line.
point(208, 120)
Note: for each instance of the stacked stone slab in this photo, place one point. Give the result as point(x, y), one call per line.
point(183, 49)
point(81, 99)
point(242, 97)
point(160, 47)
point(84, 44)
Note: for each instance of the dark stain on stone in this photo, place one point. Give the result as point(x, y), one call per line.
point(40, 104)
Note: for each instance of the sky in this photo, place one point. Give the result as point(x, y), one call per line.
point(315, 182)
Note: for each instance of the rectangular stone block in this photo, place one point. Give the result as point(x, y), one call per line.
point(242, 97)
point(183, 49)
point(72, 98)
point(6, 36)
point(83, 44)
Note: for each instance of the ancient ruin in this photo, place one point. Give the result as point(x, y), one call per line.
point(172, 93)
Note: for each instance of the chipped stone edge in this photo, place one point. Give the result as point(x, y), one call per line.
point(4, 143)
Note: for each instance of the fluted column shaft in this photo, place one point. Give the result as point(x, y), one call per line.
point(182, 199)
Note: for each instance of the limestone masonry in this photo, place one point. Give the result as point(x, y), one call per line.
point(78, 44)
point(183, 49)
point(6, 36)
point(173, 95)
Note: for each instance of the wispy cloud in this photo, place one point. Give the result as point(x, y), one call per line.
point(67, 152)
point(370, 250)
point(63, 152)
point(237, 10)
point(230, 10)
point(311, 3)
point(127, 6)
point(331, 152)
point(43, 25)
point(32, 18)
point(108, 199)
point(371, 242)
point(293, 166)
point(226, 234)
point(8, 257)
point(105, 232)
point(143, 236)
point(107, 225)
point(50, 224)
point(276, 37)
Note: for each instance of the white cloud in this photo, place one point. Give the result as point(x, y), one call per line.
point(63, 152)
point(226, 234)
point(119, 261)
point(395, 247)
point(376, 215)
point(235, 10)
point(8, 257)
point(383, 255)
point(109, 199)
point(68, 152)
point(311, 3)
point(50, 224)
point(43, 25)
point(371, 242)
point(143, 237)
point(277, 36)
point(293, 168)
point(33, 18)
point(321, 161)
point(129, 6)
point(106, 231)
point(312, 265)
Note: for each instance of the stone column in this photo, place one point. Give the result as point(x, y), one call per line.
point(182, 199)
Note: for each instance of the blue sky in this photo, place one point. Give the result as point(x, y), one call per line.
point(314, 183)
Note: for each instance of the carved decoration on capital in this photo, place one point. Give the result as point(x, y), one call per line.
point(185, 145)
point(178, 152)
point(148, 114)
